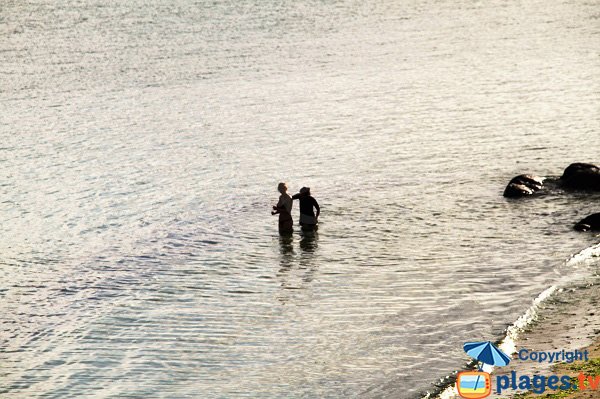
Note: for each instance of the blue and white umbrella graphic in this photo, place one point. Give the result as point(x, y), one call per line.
point(486, 353)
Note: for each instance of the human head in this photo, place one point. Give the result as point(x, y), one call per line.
point(282, 187)
point(305, 190)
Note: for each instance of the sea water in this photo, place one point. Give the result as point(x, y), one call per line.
point(142, 144)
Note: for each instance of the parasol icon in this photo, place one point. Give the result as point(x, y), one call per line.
point(487, 353)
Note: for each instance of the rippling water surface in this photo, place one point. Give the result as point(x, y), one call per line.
point(142, 144)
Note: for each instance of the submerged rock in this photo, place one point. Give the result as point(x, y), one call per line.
point(581, 176)
point(523, 185)
point(577, 176)
point(590, 223)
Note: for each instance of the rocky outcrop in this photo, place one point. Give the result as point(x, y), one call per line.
point(590, 223)
point(581, 176)
point(577, 176)
point(523, 185)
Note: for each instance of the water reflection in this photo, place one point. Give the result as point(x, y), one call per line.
point(296, 269)
point(187, 255)
point(286, 244)
point(309, 241)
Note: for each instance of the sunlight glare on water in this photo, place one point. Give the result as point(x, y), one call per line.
point(142, 144)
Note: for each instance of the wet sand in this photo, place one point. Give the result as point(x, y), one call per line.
point(594, 355)
point(570, 321)
point(573, 370)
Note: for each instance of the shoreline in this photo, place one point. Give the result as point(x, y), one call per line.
point(569, 320)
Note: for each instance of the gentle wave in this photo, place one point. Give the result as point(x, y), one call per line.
point(508, 344)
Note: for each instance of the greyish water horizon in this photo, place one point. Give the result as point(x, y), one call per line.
point(142, 144)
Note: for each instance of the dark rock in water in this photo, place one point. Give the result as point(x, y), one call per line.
point(590, 223)
point(523, 185)
point(581, 176)
point(577, 176)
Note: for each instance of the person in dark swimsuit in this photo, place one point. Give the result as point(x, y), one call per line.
point(284, 209)
point(308, 219)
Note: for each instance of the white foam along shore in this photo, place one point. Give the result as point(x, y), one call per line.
point(515, 333)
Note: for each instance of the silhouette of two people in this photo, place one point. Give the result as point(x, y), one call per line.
point(308, 218)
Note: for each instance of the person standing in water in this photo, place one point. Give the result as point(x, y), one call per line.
point(308, 219)
point(284, 209)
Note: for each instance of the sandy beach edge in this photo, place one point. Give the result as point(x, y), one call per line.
point(569, 322)
point(567, 319)
point(575, 370)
